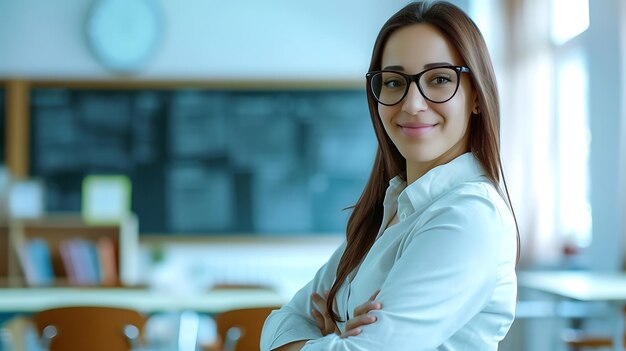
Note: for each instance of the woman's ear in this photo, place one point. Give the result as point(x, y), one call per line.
point(476, 108)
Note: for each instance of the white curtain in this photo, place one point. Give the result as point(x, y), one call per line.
point(526, 79)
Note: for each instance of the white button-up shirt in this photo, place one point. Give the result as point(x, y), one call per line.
point(446, 272)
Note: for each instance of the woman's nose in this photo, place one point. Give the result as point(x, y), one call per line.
point(414, 102)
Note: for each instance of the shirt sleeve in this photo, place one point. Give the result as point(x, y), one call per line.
point(444, 275)
point(294, 322)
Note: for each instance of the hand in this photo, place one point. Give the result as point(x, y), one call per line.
point(327, 324)
point(361, 317)
point(322, 317)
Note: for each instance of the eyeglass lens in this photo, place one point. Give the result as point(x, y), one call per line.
point(437, 85)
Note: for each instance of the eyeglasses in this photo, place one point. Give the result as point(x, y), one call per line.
point(437, 84)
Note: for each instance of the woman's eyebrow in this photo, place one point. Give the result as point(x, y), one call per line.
point(426, 66)
point(437, 64)
point(394, 68)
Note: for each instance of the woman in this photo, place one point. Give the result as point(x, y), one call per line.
point(429, 259)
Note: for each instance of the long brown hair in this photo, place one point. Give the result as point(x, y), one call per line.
point(484, 129)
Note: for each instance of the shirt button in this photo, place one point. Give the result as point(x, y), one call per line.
point(402, 216)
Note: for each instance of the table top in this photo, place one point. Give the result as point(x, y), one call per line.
point(579, 285)
point(144, 300)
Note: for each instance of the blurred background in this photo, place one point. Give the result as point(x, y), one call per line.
point(180, 148)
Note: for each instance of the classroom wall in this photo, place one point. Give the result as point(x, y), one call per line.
point(607, 115)
point(278, 39)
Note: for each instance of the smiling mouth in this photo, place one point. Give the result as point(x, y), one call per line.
point(417, 130)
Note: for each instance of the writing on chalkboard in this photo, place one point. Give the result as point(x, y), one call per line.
point(209, 161)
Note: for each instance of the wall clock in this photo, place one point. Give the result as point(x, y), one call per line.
point(123, 34)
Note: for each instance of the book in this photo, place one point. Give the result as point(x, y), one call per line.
point(83, 267)
point(107, 261)
point(34, 256)
point(40, 254)
point(68, 264)
point(28, 267)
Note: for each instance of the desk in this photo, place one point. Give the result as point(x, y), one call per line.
point(144, 300)
point(585, 286)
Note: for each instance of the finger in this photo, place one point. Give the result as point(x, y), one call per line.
point(328, 325)
point(366, 307)
point(324, 324)
point(319, 302)
point(319, 319)
point(369, 305)
point(353, 332)
point(374, 296)
point(359, 321)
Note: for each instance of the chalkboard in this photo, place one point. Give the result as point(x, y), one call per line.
point(209, 161)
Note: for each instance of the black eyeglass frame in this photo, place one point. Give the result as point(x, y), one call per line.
point(415, 78)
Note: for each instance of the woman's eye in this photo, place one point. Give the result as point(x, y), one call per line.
point(441, 80)
point(393, 83)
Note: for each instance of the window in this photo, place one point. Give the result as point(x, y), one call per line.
point(569, 19)
point(574, 211)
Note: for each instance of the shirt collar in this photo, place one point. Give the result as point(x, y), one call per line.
point(433, 184)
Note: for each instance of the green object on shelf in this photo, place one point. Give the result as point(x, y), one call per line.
point(106, 199)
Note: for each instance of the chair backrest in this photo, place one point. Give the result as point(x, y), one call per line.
point(89, 328)
point(240, 330)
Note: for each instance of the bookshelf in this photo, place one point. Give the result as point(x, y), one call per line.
point(54, 230)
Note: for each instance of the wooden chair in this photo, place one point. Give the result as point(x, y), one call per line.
point(89, 328)
point(580, 341)
point(240, 330)
point(591, 342)
point(577, 340)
